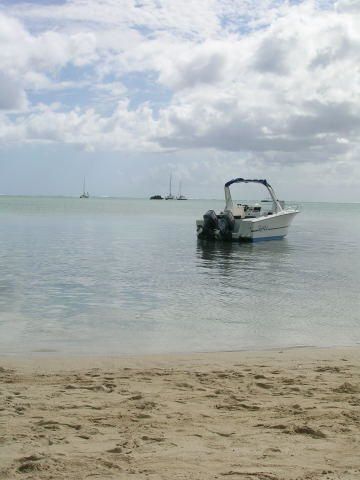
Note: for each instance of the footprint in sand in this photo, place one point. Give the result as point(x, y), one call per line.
point(31, 463)
point(115, 450)
point(347, 388)
point(152, 439)
point(184, 385)
point(328, 369)
point(143, 416)
point(53, 425)
point(224, 434)
point(138, 396)
point(263, 385)
point(146, 405)
point(306, 430)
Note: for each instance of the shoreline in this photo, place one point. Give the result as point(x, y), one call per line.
point(54, 360)
point(274, 414)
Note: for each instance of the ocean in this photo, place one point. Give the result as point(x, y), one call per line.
point(128, 276)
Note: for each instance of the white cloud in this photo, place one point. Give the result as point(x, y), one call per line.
point(198, 19)
point(348, 6)
point(12, 95)
point(270, 79)
point(277, 96)
point(85, 128)
point(29, 57)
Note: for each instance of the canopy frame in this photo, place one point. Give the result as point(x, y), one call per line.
point(228, 199)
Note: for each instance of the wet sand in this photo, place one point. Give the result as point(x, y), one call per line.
point(282, 414)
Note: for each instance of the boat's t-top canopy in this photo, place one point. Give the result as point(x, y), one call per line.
point(229, 203)
point(245, 180)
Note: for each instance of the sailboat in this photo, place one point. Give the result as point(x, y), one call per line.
point(84, 194)
point(180, 196)
point(170, 196)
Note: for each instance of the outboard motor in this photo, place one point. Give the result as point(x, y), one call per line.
point(226, 225)
point(211, 223)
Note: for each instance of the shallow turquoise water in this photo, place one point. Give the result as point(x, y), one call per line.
point(129, 276)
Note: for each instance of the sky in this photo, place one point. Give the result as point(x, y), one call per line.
point(127, 92)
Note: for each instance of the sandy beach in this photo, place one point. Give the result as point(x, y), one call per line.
point(281, 414)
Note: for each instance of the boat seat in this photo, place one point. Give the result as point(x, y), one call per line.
point(238, 211)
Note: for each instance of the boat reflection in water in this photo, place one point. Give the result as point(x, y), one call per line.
point(247, 292)
point(245, 263)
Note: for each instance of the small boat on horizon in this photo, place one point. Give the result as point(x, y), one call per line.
point(156, 197)
point(85, 194)
point(170, 196)
point(180, 196)
point(241, 222)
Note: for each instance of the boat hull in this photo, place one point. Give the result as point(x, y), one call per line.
point(270, 227)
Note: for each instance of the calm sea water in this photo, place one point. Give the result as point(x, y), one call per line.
point(126, 276)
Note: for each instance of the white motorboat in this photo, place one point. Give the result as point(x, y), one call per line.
point(243, 222)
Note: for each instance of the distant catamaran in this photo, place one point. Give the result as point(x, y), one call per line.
point(170, 196)
point(84, 194)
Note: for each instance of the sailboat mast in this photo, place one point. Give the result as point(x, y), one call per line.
point(170, 185)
